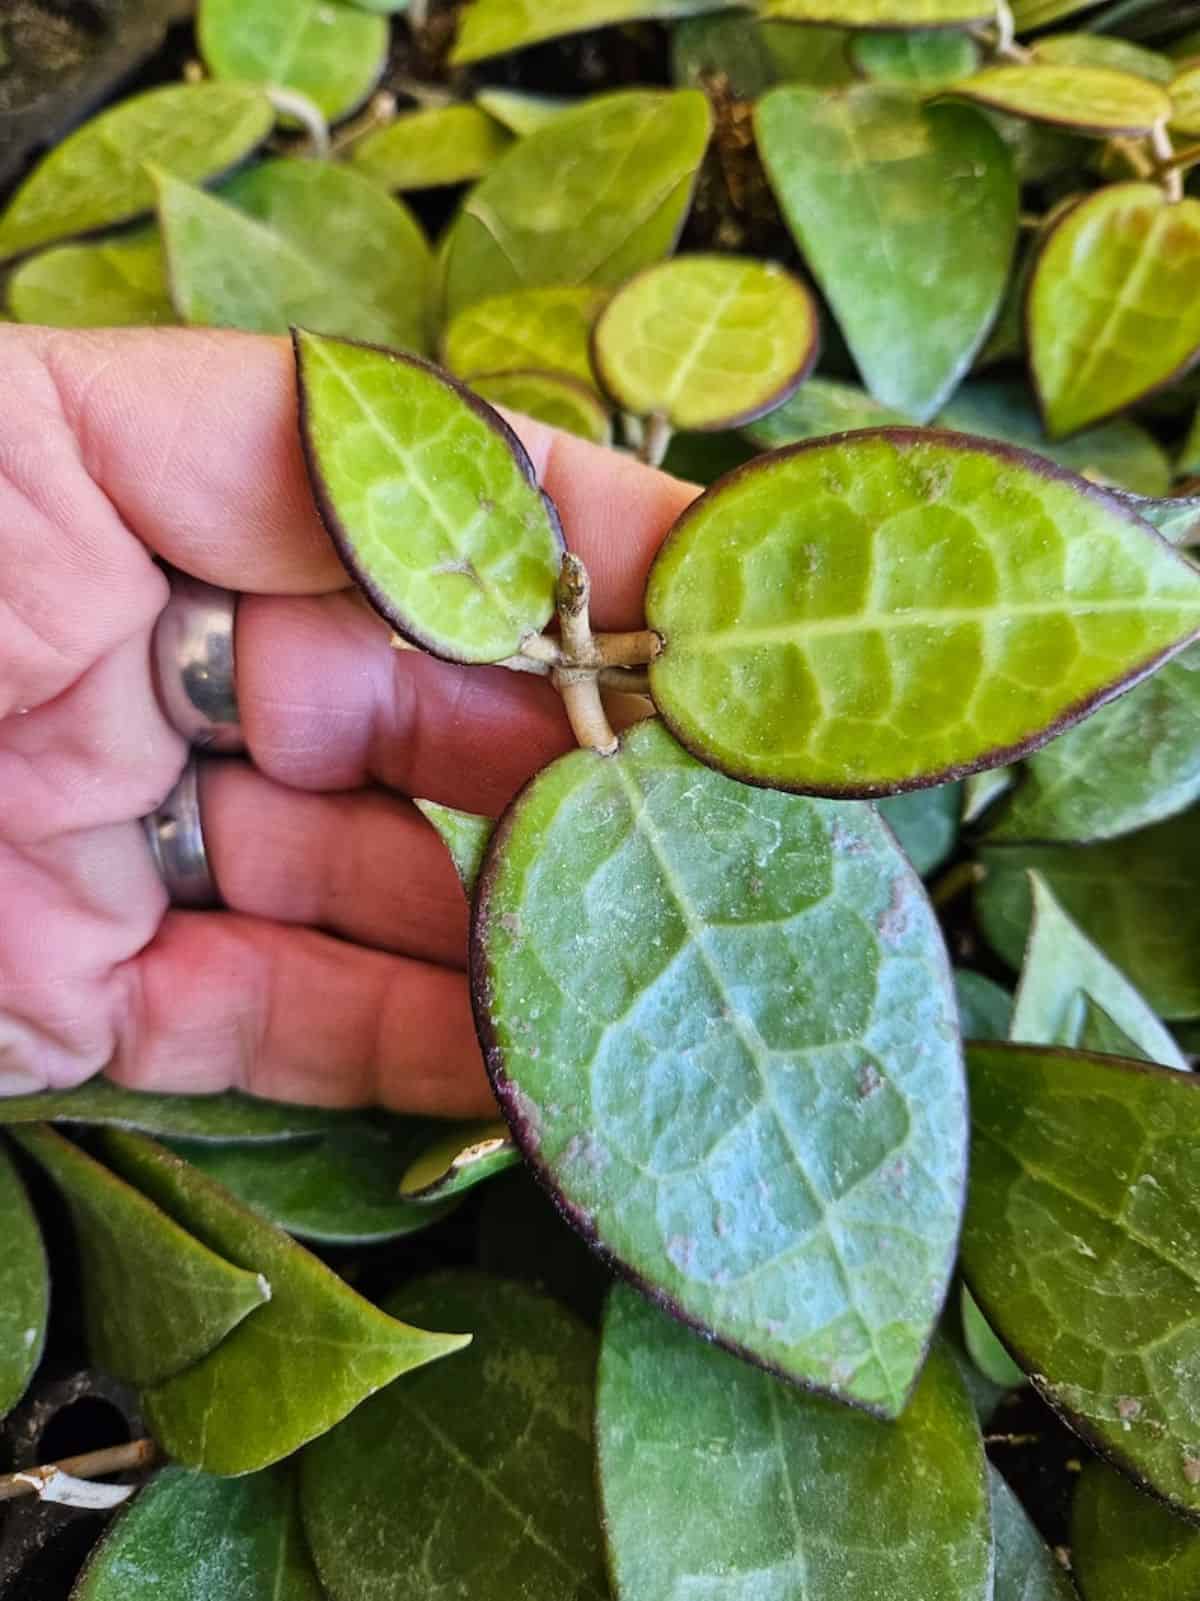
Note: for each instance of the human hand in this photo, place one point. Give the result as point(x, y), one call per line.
point(336, 973)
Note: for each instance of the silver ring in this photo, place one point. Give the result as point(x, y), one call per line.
point(176, 836)
point(194, 666)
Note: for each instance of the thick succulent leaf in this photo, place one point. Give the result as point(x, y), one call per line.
point(885, 198)
point(550, 397)
point(494, 27)
point(98, 175)
point(490, 1457)
point(925, 822)
point(1082, 1246)
point(1126, 1548)
point(519, 111)
point(819, 407)
point(984, 1007)
point(298, 243)
point(706, 341)
point(156, 1299)
point(1062, 972)
point(897, 607)
point(753, 56)
point(695, 999)
point(464, 834)
point(191, 1537)
point(878, 13)
point(430, 498)
point(1026, 1568)
point(457, 1161)
point(984, 1349)
point(923, 59)
point(120, 282)
point(297, 1366)
point(1185, 102)
point(1098, 100)
point(1137, 898)
point(596, 194)
point(421, 149)
point(228, 1116)
point(1113, 309)
point(543, 330)
point(1102, 50)
point(719, 1481)
point(331, 53)
point(24, 1288)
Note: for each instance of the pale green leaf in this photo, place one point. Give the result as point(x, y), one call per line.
point(752, 56)
point(458, 1160)
point(1102, 50)
point(494, 27)
point(925, 822)
point(924, 60)
point(228, 1116)
point(983, 790)
point(1026, 1568)
point(879, 13)
point(1177, 517)
point(1126, 1547)
point(464, 834)
point(984, 1007)
point(541, 330)
point(331, 53)
point(115, 283)
point(1185, 102)
point(24, 1288)
point(520, 112)
point(1095, 100)
point(549, 397)
point(421, 149)
point(984, 1349)
point(821, 406)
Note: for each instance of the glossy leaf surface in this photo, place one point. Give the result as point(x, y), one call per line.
point(1082, 1245)
point(720, 1481)
point(493, 27)
point(1026, 1568)
point(984, 1007)
point(24, 1288)
point(693, 996)
point(925, 822)
point(887, 198)
point(1099, 100)
point(1126, 1548)
point(420, 149)
point(98, 176)
point(549, 397)
point(543, 330)
point(490, 1457)
point(925, 60)
point(331, 53)
point(430, 498)
point(896, 607)
point(1113, 309)
point(121, 282)
point(878, 13)
point(228, 1116)
point(458, 1160)
point(822, 406)
point(464, 834)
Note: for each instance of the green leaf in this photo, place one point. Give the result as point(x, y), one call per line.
point(599, 192)
point(98, 176)
point(1082, 1246)
point(1026, 1568)
point(925, 823)
point(290, 1372)
point(1095, 100)
point(1177, 517)
point(693, 997)
point(24, 1288)
point(1124, 1547)
point(984, 1007)
point(550, 397)
point(119, 282)
point(421, 149)
point(490, 1459)
point(983, 790)
point(753, 56)
point(885, 198)
point(189, 1537)
point(155, 1299)
point(1189, 455)
point(1100, 1033)
point(1185, 102)
point(821, 406)
point(901, 607)
point(228, 1116)
point(333, 54)
point(464, 834)
point(1113, 310)
point(1137, 898)
point(519, 112)
point(718, 1481)
point(494, 27)
point(543, 330)
point(1099, 50)
point(458, 1160)
point(706, 341)
point(924, 60)
point(984, 1349)
point(430, 498)
point(1037, 13)
point(878, 13)
point(298, 242)
point(703, 458)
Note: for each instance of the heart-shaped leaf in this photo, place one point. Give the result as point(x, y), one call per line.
point(895, 608)
point(331, 53)
point(155, 1298)
point(1126, 1548)
point(544, 330)
point(1102, 50)
point(1082, 1246)
point(457, 1161)
point(117, 283)
point(1026, 1568)
point(464, 834)
point(925, 822)
point(984, 1349)
point(754, 56)
point(599, 192)
point(706, 341)
point(693, 995)
point(549, 397)
point(502, 1436)
point(1113, 309)
point(98, 176)
point(886, 198)
point(430, 498)
point(923, 59)
point(984, 1007)
point(298, 242)
point(228, 1116)
point(719, 1481)
point(1185, 102)
point(191, 1537)
point(421, 149)
point(494, 27)
point(878, 13)
point(298, 1365)
point(1096, 100)
point(819, 407)
point(24, 1289)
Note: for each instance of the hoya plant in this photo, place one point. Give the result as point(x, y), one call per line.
point(838, 1230)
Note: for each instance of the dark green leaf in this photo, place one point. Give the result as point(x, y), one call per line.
point(464, 834)
point(549, 397)
point(118, 282)
point(922, 59)
point(1096, 100)
point(1100, 1033)
point(227, 1117)
point(1124, 1547)
point(821, 406)
point(331, 53)
point(494, 27)
point(925, 823)
point(1026, 1568)
point(984, 1007)
point(458, 1160)
point(421, 149)
point(703, 458)
point(753, 56)
point(547, 330)
point(24, 1288)
point(984, 1349)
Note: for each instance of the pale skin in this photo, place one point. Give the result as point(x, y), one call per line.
point(336, 975)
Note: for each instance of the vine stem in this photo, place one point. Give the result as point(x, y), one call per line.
point(577, 685)
point(92, 1465)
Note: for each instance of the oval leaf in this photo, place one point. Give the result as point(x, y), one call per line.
point(1099, 50)
point(520, 112)
point(691, 995)
point(421, 149)
point(494, 27)
point(430, 498)
point(549, 397)
point(120, 283)
point(331, 53)
point(228, 1116)
point(894, 608)
point(1098, 100)
point(1026, 1568)
point(925, 60)
point(24, 1288)
point(459, 1160)
point(879, 13)
point(1124, 1548)
point(544, 330)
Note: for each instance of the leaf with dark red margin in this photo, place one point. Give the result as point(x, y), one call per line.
point(1084, 99)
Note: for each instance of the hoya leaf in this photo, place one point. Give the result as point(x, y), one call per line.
point(550, 397)
point(983, 790)
point(1096, 100)
point(924, 60)
point(753, 56)
point(878, 13)
point(494, 27)
point(719, 1481)
point(599, 192)
point(24, 1288)
point(191, 1537)
point(155, 1298)
point(1113, 309)
point(97, 176)
point(1177, 517)
point(1026, 1568)
point(1124, 1547)
point(519, 111)
point(298, 243)
point(464, 834)
point(1100, 50)
point(1063, 970)
point(490, 1459)
point(294, 1369)
point(331, 53)
point(1037, 13)
point(1137, 898)
point(886, 198)
point(897, 607)
point(984, 1349)
point(430, 498)
point(228, 1116)
point(819, 407)
point(984, 1007)
point(1099, 1032)
point(544, 330)
point(926, 823)
point(1185, 102)
point(694, 998)
point(119, 282)
point(706, 341)
point(421, 149)
point(1082, 1246)
point(458, 1160)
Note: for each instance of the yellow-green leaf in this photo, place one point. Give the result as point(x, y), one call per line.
point(113, 283)
point(1185, 102)
point(331, 53)
point(540, 330)
point(494, 27)
point(878, 13)
point(550, 397)
point(421, 149)
point(1098, 100)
